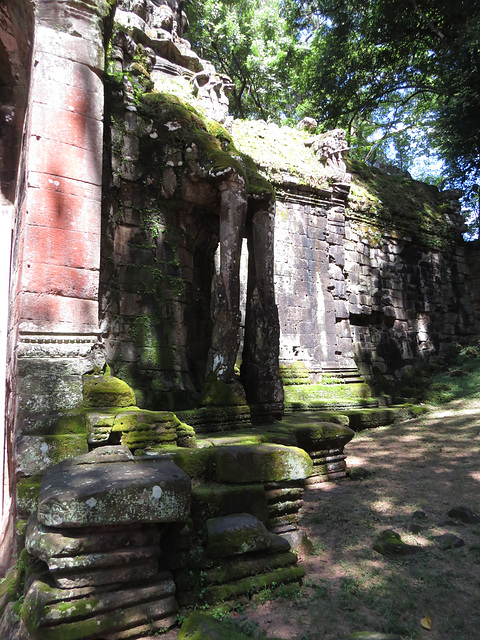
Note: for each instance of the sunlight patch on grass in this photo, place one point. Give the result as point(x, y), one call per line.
point(384, 506)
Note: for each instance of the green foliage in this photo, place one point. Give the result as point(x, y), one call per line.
point(406, 71)
point(253, 42)
point(440, 382)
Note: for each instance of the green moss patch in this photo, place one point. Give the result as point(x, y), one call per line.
point(179, 124)
point(397, 203)
point(294, 373)
point(247, 586)
point(279, 151)
point(107, 391)
point(324, 396)
point(261, 463)
point(28, 490)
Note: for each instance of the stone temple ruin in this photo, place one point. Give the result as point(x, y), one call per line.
point(195, 305)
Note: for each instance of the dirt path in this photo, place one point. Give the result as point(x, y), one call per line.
point(430, 464)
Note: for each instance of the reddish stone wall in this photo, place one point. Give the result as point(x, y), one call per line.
point(53, 326)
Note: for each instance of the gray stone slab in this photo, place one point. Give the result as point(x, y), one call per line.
point(236, 534)
point(89, 495)
point(261, 463)
point(45, 543)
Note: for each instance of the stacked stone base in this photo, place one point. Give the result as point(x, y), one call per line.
point(111, 613)
point(236, 558)
point(98, 529)
point(214, 419)
point(284, 499)
point(328, 465)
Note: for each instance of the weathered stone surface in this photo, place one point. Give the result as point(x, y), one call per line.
point(107, 453)
point(323, 436)
point(261, 463)
point(83, 495)
point(34, 454)
point(134, 571)
point(235, 534)
point(107, 391)
point(87, 613)
point(47, 543)
point(28, 490)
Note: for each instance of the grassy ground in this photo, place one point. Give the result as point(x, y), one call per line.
point(430, 464)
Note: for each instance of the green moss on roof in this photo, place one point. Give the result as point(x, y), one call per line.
point(177, 121)
point(279, 152)
point(401, 205)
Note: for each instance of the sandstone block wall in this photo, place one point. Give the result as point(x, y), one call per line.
point(310, 284)
point(353, 293)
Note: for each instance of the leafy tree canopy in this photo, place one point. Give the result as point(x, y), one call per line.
point(254, 43)
point(402, 77)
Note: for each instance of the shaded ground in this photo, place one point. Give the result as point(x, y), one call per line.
point(430, 464)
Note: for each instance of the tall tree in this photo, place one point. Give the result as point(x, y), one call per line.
point(254, 43)
point(409, 68)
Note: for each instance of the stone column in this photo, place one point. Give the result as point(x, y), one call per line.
point(260, 375)
point(54, 332)
point(226, 282)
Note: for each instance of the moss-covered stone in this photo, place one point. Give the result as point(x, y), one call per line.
point(69, 423)
point(214, 145)
point(390, 543)
point(294, 373)
point(214, 500)
point(216, 418)
point(37, 453)
point(197, 463)
point(201, 626)
point(248, 586)
point(398, 204)
point(107, 391)
point(261, 463)
point(52, 614)
point(327, 396)
point(28, 490)
point(234, 535)
point(306, 417)
point(237, 568)
point(325, 435)
point(360, 419)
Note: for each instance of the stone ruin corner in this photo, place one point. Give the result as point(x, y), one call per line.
point(180, 302)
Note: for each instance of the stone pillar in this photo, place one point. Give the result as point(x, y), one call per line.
point(53, 328)
point(226, 282)
point(260, 375)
